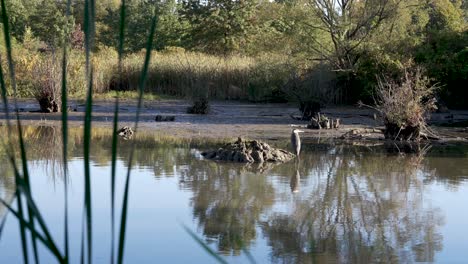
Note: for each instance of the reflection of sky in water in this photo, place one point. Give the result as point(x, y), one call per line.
point(341, 201)
point(455, 229)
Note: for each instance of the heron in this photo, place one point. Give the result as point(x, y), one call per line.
point(296, 141)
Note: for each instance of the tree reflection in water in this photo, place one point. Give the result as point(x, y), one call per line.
point(358, 208)
point(228, 200)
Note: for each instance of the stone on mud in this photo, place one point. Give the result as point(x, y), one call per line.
point(125, 132)
point(249, 151)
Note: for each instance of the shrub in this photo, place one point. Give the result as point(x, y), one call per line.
point(48, 84)
point(405, 104)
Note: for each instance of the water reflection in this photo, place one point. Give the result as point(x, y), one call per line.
point(337, 204)
point(295, 182)
point(227, 202)
point(359, 209)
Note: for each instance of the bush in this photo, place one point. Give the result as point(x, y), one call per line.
point(405, 104)
point(48, 86)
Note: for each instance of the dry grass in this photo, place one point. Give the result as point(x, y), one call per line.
point(174, 73)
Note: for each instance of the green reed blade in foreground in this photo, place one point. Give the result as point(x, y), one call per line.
point(113, 175)
point(13, 162)
point(141, 88)
point(20, 217)
point(87, 170)
point(65, 138)
point(89, 40)
point(2, 225)
point(45, 240)
point(248, 255)
point(5, 102)
point(65, 147)
point(24, 162)
point(115, 127)
point(204, 245)
point(6, 31)
point(21, 188)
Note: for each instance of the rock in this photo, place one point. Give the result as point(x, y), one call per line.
point(257, 156)
point(248, 152)
point(209, 154)
point(161, 118)
point(200, 106)
point(125, 132)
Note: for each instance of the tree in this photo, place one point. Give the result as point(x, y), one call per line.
point(220, 26)
point(445, 15)
point(18, 15)
point(170, 30)
point(50, 24)
point(139, 14)
point(283, 27)
point(349, 24)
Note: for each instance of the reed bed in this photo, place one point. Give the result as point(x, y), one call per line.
point(173, 72)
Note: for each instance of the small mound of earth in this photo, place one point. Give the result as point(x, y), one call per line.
point(246, 151)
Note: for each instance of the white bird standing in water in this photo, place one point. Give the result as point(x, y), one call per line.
point(296, 141)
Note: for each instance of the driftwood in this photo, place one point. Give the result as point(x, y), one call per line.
point(428, 136)
point(323, 122)
point(360, 133)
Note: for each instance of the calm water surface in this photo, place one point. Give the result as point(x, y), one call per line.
point(338, 204)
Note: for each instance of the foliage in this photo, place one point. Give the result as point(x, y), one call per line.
point(445, 55)
point(219, 26)
point(255, 50)
point(50, 24)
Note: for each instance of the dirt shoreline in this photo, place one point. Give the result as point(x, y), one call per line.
point(227, 119)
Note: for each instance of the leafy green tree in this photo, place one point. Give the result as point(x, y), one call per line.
point(50, 24)
point(138, 21)
point(219, 26)
point(445, 15)
point(170, 29)
point(284, 27)
point(445, 55)
point(18, 15)
point(348, 25)
point(139, 14)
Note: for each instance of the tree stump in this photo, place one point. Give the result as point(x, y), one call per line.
point(323, 122)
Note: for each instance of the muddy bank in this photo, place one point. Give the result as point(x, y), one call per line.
point(227, 120)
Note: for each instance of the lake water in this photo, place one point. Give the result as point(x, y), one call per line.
point(337, 204)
